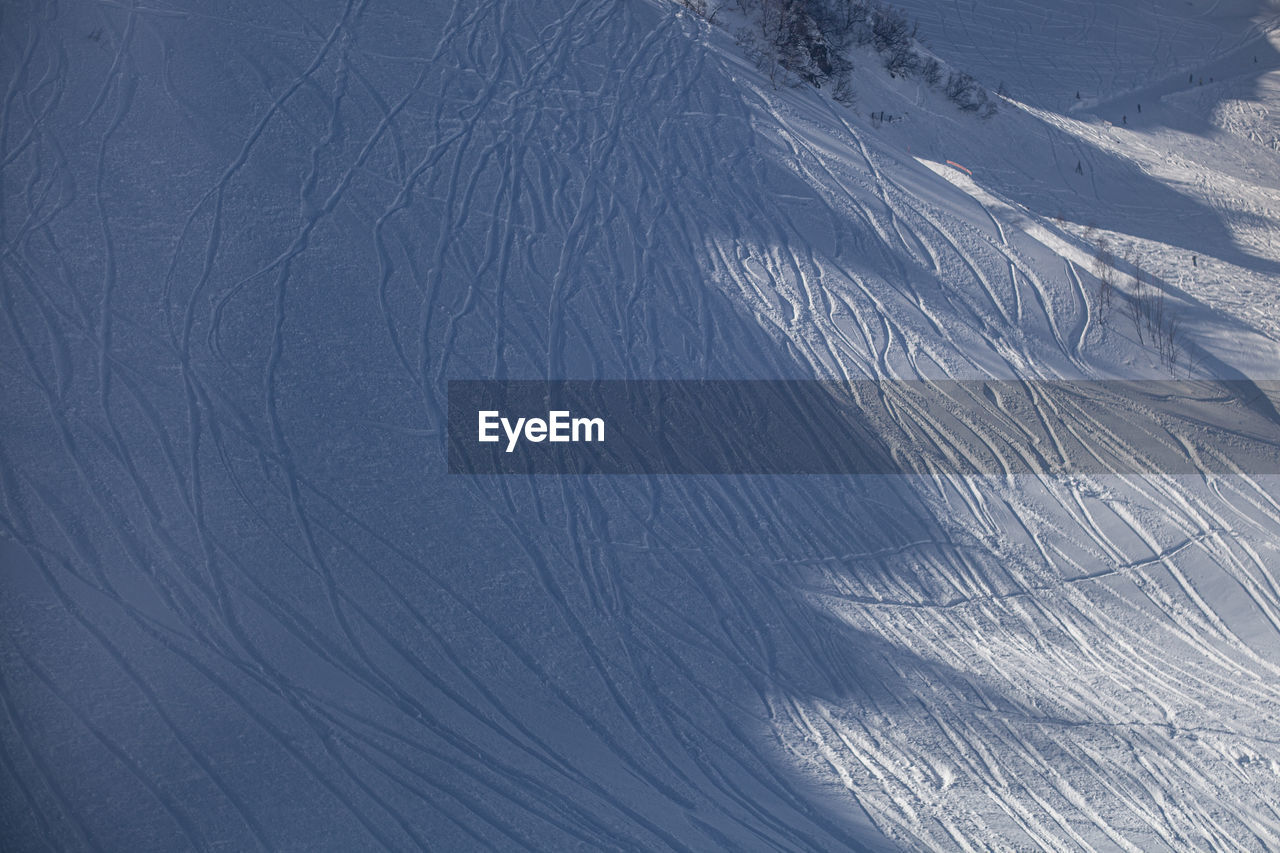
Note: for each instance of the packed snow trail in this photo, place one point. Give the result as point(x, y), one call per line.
point(245, 606)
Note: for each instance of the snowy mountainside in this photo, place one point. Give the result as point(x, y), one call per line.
point(1176, 101)
point(243, 605)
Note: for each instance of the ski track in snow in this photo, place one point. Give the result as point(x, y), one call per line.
point(244, 607)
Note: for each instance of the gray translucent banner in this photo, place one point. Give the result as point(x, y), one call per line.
point(824, 427)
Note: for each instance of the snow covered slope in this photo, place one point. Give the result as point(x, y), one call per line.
point(243, 605)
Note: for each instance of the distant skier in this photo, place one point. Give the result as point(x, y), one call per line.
point(1193, 260)
point(1079, 168)
point(1078, 93)
point(1139, 107)
point(1124, 119)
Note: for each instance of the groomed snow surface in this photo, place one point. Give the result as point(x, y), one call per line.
point(242, 605)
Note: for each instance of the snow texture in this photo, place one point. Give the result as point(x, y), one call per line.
point(243, 605)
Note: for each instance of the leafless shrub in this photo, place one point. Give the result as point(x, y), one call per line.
point(931, 71)
point(1104, 271)
point(964, 91)
point(890, 29)
point(1139, 299)
point(1153, 323)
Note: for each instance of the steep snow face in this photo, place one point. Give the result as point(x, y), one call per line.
point(243, 605)
point(1171, 110)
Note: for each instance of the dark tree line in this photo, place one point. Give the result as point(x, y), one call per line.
point(809, 41)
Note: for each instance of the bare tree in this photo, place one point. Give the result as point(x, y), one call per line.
point(931, 71)
point(1104, 271)
point(1138, 299)
point(964, 91)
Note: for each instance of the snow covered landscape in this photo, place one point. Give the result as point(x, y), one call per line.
point(245, 605)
